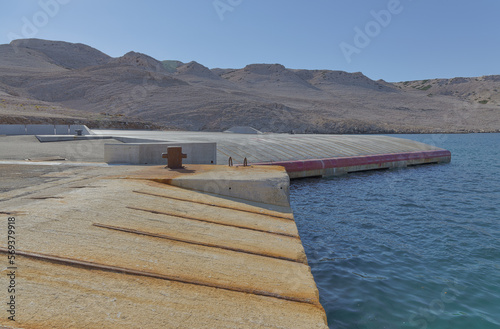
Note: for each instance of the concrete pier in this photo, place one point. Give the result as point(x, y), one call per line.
point(300, 155)
point(203, 246)
point(127, 247)
point(304, 155)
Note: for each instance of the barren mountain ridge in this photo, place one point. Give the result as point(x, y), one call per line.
point(45, 81)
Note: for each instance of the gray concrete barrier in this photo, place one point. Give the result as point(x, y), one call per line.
point(12, 130)
point(62, 129)
point(43, 130)
point(150, 153)
point(40, 130)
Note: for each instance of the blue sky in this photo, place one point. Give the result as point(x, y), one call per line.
point(394, 40)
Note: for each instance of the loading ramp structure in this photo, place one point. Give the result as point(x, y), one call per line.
point(203, 246)
point(302, 155)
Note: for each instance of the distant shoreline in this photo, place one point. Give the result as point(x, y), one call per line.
point(141, 125)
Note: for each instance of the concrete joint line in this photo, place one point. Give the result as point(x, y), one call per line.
point(117, 269)
point(212, 222)
point(212, 205)
point(46, 197)
point(15, 213)
point(203, 244)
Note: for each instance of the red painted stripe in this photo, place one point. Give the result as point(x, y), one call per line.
point(315, 164)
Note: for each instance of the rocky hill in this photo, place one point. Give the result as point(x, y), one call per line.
point(51, 81)
point(482, 90)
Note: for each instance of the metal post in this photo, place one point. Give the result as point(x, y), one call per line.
point(174, 157)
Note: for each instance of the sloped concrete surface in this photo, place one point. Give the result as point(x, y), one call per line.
point(121, 247)
point(307, 155)
point(283, 147)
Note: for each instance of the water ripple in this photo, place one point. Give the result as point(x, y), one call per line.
point(411, 248)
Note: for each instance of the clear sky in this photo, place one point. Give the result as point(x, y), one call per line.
point(394, 40)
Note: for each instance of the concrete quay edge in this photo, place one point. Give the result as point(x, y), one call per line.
point(342, 165)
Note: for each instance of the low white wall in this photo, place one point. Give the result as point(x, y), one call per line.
point(12, 130)
point(43, 129)
point(62, 129)
point(40, 130)
point(150, 153)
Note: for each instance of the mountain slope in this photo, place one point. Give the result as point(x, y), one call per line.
point(265, 76)
point(63, 54)
point(85, 82)
point(482, 90)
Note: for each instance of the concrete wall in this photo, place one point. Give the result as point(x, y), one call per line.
point(40, 130)
point(43, 129)
point(12, 130)
point(262, 184)
point(62, 129)
point(150, 153)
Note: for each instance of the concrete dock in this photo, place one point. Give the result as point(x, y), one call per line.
point(103, 245)
point(130, 246)
point(301, 155)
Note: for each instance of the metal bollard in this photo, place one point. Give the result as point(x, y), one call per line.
point(174, 157)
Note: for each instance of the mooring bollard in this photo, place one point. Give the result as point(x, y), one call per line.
point(174, 157)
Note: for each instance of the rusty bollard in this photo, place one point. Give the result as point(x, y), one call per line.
point(174, 157)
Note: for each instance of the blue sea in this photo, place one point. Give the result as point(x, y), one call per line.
point(417, 247)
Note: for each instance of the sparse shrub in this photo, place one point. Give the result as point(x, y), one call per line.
point(425, 87)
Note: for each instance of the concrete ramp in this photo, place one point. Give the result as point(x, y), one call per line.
point(307, 155)
point(121, 247)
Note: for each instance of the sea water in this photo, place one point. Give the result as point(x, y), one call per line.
point(417, 247)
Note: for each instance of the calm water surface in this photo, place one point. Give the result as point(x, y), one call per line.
point(408, 248)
